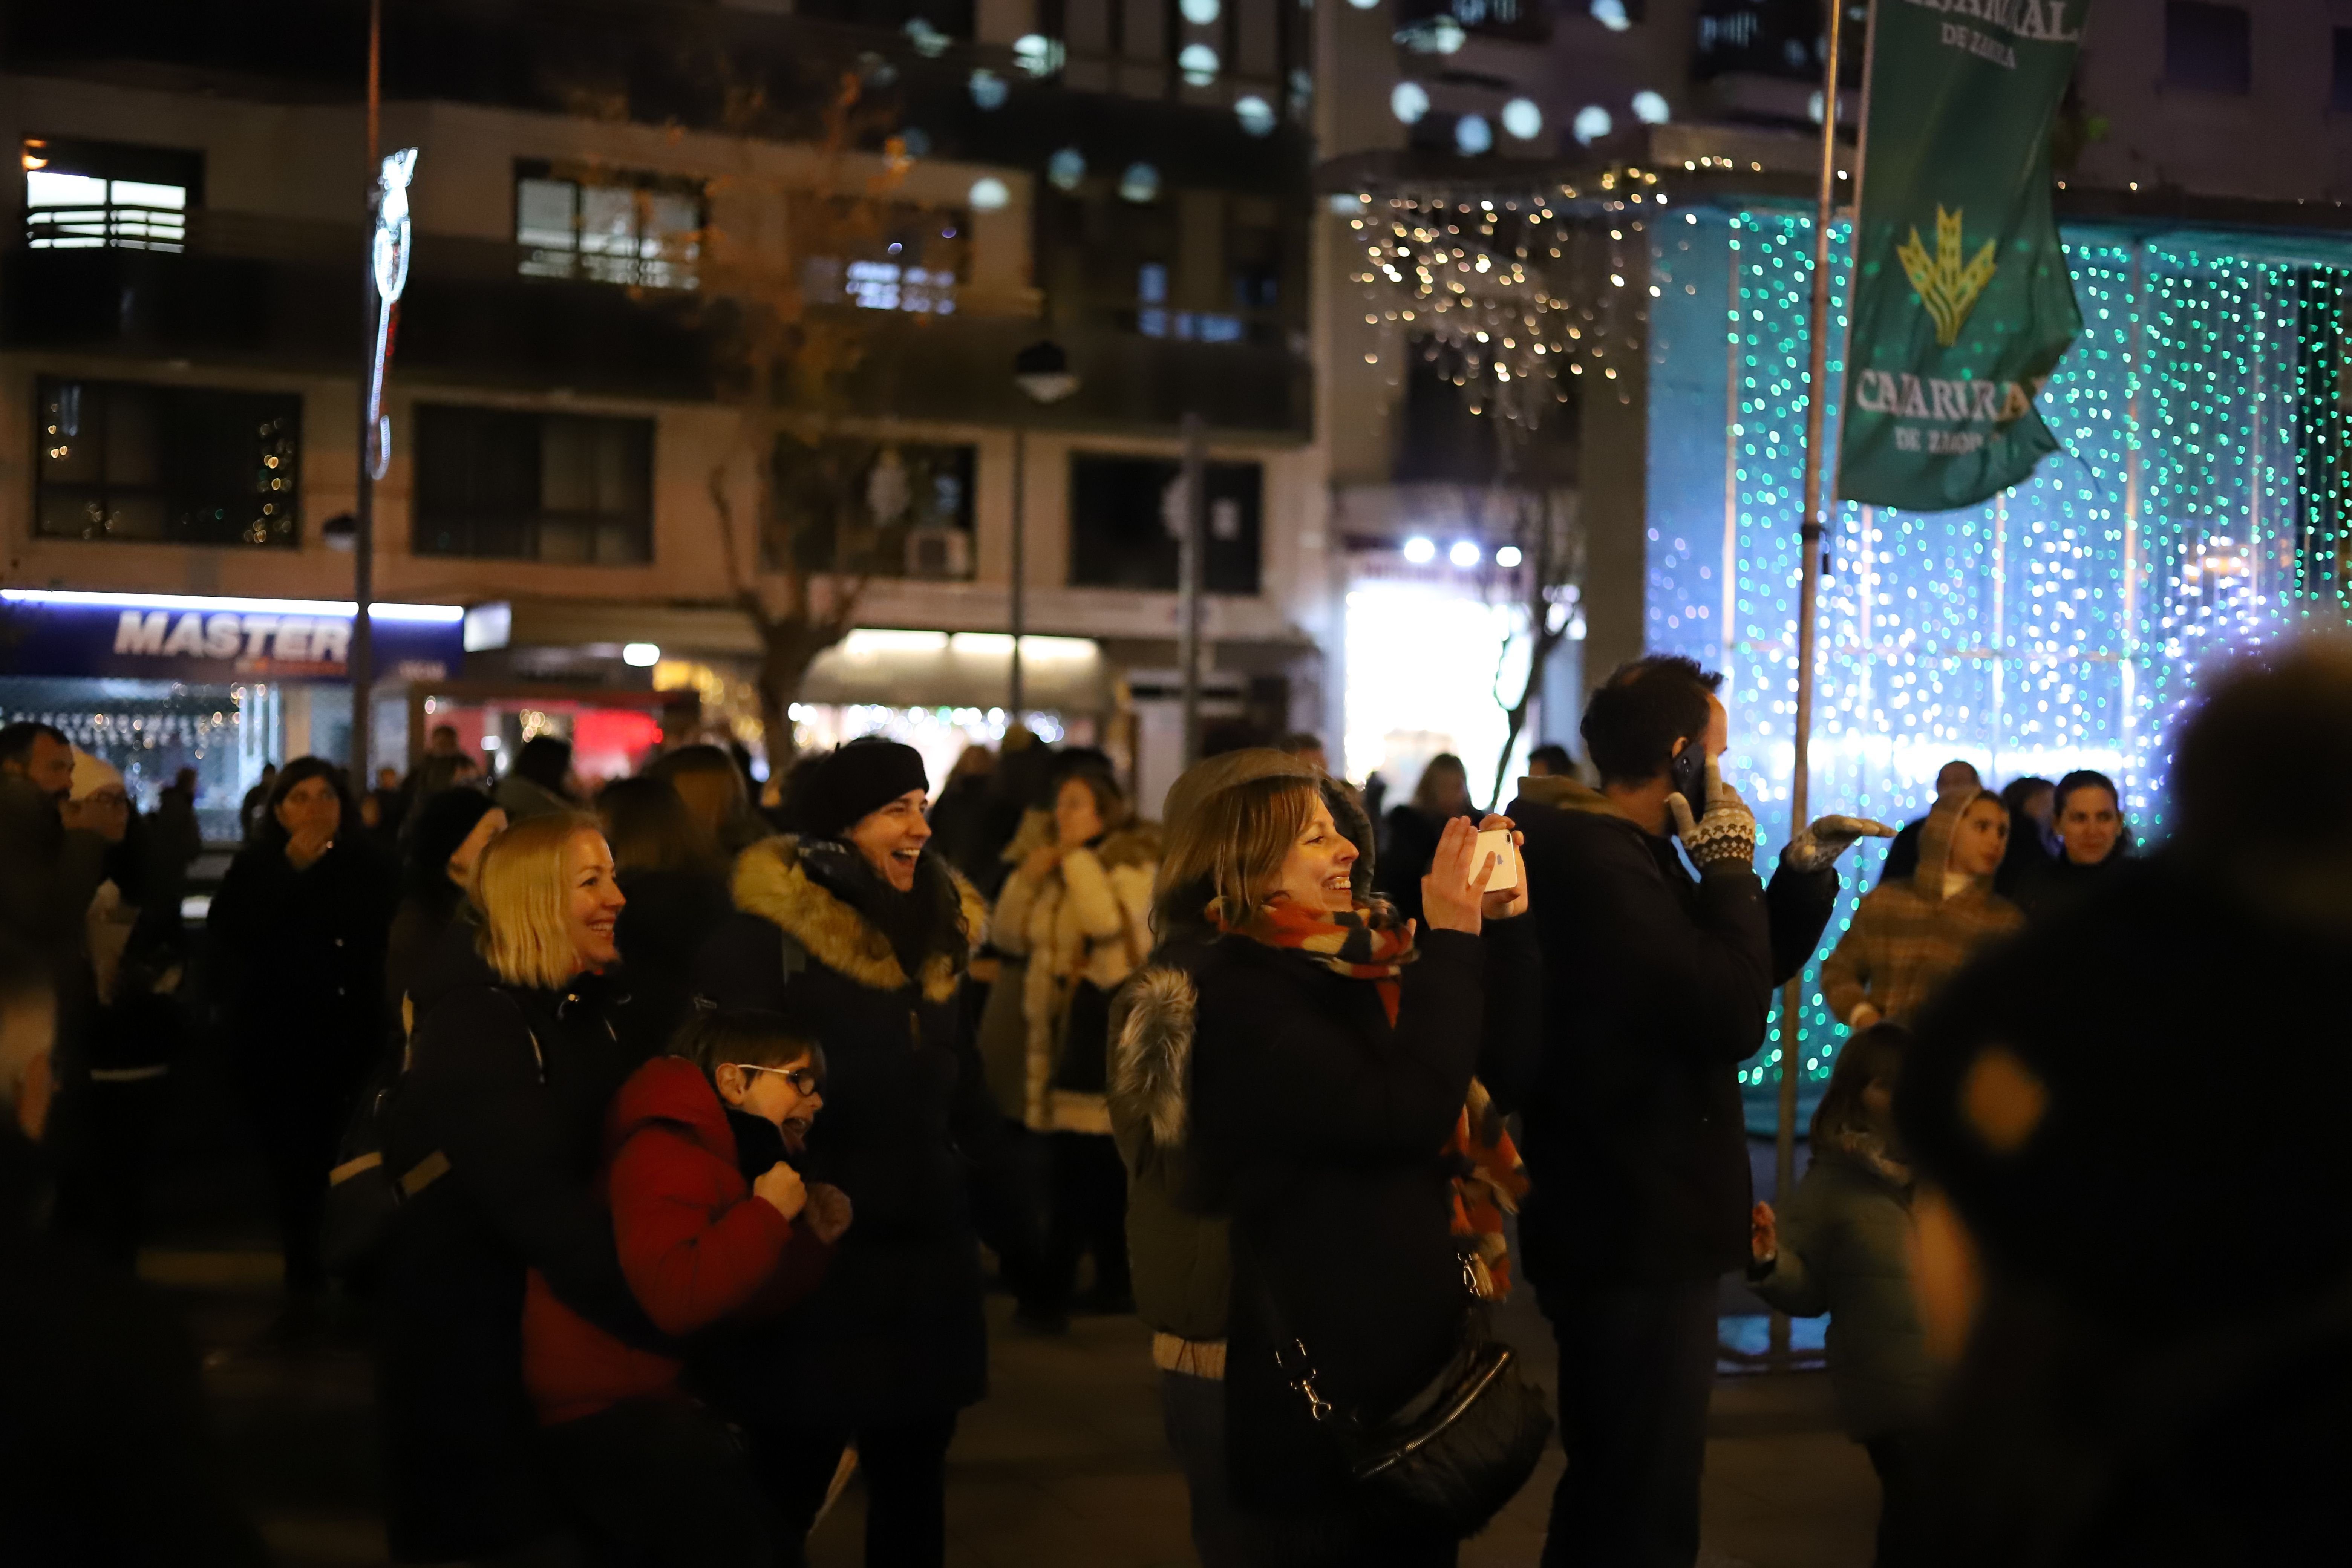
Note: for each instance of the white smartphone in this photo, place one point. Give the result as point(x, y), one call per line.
point(1497, 843)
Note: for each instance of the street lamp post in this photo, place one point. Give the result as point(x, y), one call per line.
point(1042, 372)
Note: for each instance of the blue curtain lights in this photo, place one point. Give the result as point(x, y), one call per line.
point(2198, 508)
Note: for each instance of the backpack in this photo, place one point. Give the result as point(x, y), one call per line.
point(364, 1195)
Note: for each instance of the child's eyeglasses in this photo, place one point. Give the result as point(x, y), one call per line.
point(803, 1080)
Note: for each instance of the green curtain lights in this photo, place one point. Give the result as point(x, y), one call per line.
point(2199, 506)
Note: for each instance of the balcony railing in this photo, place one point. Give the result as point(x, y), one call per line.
point(103, 227)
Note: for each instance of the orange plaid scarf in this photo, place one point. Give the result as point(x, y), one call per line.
point(1371, 943)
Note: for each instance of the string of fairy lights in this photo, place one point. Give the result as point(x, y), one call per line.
point(2198, 507)
point(1512, 292)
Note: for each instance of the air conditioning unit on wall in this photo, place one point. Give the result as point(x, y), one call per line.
point(938, 551)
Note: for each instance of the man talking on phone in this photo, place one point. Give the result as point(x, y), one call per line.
point(1657, 984)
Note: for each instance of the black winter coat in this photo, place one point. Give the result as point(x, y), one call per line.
point(1408, 848)
point(298, 966)
point(106, 1454)
point(894, 1332)
point(1318, 1127)
point(511, 1085)
point(1656, 986)
point(662, 929)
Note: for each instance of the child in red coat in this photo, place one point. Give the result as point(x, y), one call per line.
point(633, 1453)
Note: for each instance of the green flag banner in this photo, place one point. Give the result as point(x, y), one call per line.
point(1962, 304)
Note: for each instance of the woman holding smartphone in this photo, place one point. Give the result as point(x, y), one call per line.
point(1330, 1061)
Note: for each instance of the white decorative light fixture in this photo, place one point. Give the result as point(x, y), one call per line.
point(1199, 64)
point(390, 270)
point(1066, 168)
point(1419, 551)
point(1611, 14)
point(1200, 13)
point(1508, 557)
point(641, 654)
point(1255, 114)
point(988, 195)
point(1472, 135)
point(1037, 54)
point(1651, 107)
point(1592, 123)
point(1140, 185)
point(989, 91)
point(1522, 119)
point(1409, 100)
point(1465, 554)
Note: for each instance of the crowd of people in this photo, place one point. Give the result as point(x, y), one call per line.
point(662, 1139)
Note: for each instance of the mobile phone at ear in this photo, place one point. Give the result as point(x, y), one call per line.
point(1497, 843)
point(1686, 773)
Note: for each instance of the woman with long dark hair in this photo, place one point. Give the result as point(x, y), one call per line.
point(446, 839)
point(298, 935)
point(670, 863)
point(1409, 836)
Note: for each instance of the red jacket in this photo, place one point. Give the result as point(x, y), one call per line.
point(694, 1243)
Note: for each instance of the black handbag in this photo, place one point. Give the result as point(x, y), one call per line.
point(1457, 1451)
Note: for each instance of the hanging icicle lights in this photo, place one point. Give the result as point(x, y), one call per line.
point(2202, 504)
point(1515, 290)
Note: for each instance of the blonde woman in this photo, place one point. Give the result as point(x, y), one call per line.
point(1079, 911)
point(497, 1133)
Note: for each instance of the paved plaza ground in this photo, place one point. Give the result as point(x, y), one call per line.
point(1063, 1465)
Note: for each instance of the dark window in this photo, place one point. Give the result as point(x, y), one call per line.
point(1121, 534)
point(2208, 47)
point(885, 509)
point(533, 487)
point(183, 465)
point(2340, 91)
point(608, 227)
point(1452, 434)
point(82, 195)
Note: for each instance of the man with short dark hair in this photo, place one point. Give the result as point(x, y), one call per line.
point(45, 880)
point(1657, 985)
point(1550, 760)
point(1958, 776)
point(1308, 747)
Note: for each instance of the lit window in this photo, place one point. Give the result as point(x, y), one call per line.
point(88, 195)
point(893, 257)
point(630, 229)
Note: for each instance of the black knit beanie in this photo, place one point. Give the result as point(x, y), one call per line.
point(441, 824)
point(831, 793)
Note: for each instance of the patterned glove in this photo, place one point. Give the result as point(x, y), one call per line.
point(1822, 841)
point(1726, 836)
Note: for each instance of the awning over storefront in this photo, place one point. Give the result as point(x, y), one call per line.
point(959, 669)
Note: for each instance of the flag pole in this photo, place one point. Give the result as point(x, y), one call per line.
point(1809, 587)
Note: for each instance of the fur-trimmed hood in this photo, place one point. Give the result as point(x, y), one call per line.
point(1152, 1054)
point(771, 883)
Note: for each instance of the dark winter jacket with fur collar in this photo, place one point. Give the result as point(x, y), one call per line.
point(895, 1332)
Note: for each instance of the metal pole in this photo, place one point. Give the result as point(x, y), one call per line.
point(1817, 338)
point(363, 649)
point(1194, 487)
point(1020, 560)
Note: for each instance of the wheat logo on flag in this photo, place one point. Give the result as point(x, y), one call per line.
point(1947, 288)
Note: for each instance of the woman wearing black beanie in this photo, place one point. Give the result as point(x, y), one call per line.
point(851, 928)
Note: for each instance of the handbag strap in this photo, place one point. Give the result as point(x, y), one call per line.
point(1297, 1365)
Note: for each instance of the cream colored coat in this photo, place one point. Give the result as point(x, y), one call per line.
point(1088, 918)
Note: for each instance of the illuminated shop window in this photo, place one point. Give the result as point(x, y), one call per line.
point(182, 464)
point(91, 196)
point(606, 226)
